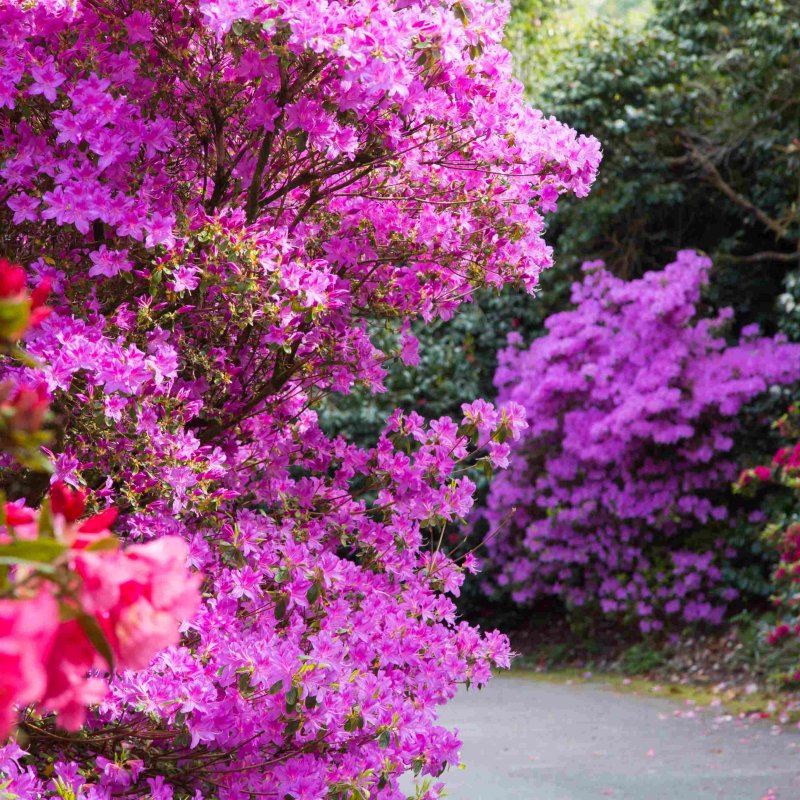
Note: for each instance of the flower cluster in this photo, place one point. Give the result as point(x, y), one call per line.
point(227, 196)
point(615, 497)
point(80, 603)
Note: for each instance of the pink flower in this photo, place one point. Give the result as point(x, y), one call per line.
point(25, 208)
point(138, 25)
point(109, 262)
point(409, 347)
point(481, 414)
point(498, 454)
point(27, 631)
point(186, 279)
point(139, 596)
point(762, 473)
point(159, 230)
point(46, 79)
point(69, 689)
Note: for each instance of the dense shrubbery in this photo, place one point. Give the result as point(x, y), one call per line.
point(697, 114)
point(617, 498)
point(227, 198)
point(457, 360)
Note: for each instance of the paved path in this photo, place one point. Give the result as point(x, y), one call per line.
point(526, 739)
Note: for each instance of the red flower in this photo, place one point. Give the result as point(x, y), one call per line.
point(69, 503)
point(139, 596)
point(99, 522)
point(27, 631)
point(12, 280)
point(779, 632)
point(40, 293)
point(28, 407)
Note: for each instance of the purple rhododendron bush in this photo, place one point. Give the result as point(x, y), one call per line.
point(221, 195)
point(616, 496)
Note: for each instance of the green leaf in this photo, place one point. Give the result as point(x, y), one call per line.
point(280, 607)
point(20, 355)
point(37, 551)
point(35, 461)
point(461, 13)
point(46, 528)
point(108, 543)
point(96, 636)
point(14, 317)
point(300, 140)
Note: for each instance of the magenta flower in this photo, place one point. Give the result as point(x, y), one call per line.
point(46, 79)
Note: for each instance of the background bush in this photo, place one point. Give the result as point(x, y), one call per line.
point(618, 497)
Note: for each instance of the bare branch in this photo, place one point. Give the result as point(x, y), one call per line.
point(720, 183)
point(757, 258)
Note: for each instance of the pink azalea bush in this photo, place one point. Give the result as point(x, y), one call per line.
point(222, 193)
point(615, 498)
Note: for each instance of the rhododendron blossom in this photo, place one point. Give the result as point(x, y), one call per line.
point(225, 196)
point(615, 498)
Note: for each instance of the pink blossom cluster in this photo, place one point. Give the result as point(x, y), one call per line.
point(81, 605)
point(783, 530)
point(224, 193)
point(615, 498)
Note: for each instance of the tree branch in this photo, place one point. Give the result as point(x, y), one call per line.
point(757, 258)
point(723, 186)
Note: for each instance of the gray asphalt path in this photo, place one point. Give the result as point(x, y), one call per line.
point(526, 739)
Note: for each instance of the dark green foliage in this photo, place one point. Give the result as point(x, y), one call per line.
point(457, 364)
point(641, 658)
point(698, 115)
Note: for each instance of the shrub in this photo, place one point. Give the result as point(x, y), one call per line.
point(616, 498)
point(226, 196)
point(696, 110)
point(719, 75)
point(782, 533)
